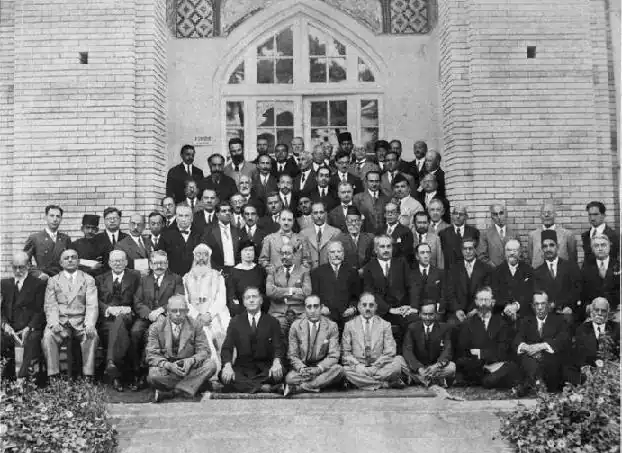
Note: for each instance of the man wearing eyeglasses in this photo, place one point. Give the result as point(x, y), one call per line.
point(492, 241)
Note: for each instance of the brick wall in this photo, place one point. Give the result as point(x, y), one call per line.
point(527, 130)
point(86, 135)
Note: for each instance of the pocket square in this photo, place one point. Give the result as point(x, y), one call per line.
point(437, 282)
point(399, 240)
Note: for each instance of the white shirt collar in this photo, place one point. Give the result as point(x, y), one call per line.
point(541, 321)
point(427, 269)
point(52, 235)
point(552, 227)
point(20, 280)
point(555, 263)
point(115, 234)
point(606, 261)
point(316, 323)
point(600, 229)
point(137, 238)
point(252, 228)
point(430, 195)
point(318, 228)
point(513, 269)
point(224, 226)
point(373, 194)
point(256, 316)
point(499, 228)
point(116, 277)
point(596, 326)
point(70, 276)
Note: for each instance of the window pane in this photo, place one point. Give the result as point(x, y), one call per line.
point(284, 111)
point(369, 113)
point(317, 70)
point(235, 133)
point(336, 49)
point(284, 136)
point(237, 76)
point(284, 70)
point(267, 134)
point(265, 113)
point(365, 74)
point(319, 114)
point(338, 113)
point(265, 71)
point(235, 114)
point(317, 45)
point(369, 136)
point(266, 49)
point(285, 43)
point(337, 70)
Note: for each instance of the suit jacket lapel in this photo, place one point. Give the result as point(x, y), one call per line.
point(125, 281)
point(168, 338)
point(184, 336)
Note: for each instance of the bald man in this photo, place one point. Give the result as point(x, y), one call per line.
point(137, 247)
point(22, 316)
point(116, 290)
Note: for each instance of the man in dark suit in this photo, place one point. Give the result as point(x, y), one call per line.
point(238, 166)
point(451, 237)
point(464, 280)
point(107, 240)
point(337, 285)
point(361, 164)
point(47, 246)
point(322, 192)
point(206, 217)
point(282, 164)
point(22, 317)
point(179, 242)
point(180, 173)
point(595, 340)
point(224, 240)
point(289, 199)
point(417, 166)
point(137, 247)
point(391, 173)
point(560, 279)
point(358, 246)
point(337, 217)
point(402, 236)
point(601, 276)
point(427, 348)
point(596, 212)
point(270, 222)
point(252, 231)
point(484, 346)
point(191, 192)
point(256, 337)
point(248, 197)
point(217, 180)
point(427, 282)
point(264, 182)
point(430, 192)
point(433, 166)
point(342, 161)
point(512, 284)
point(150, 302)
point(371, 203)
point(168, 211)
point(345, 143)
point(156, 225)
point(541, 344)
point(305, 181)
point(395, 146)
point(90, 261)
point(116, 290)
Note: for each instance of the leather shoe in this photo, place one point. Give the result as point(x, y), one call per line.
point(160, 395)
point(290, 389)
point(117, 385)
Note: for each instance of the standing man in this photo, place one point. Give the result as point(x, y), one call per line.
point(342, 162)
point(264, 182)
point(270, 257)
point(323, 192)
point(596, 212)
point(391, 172)
point(429, 193)
point(298, 149)
point(452, 236)
point(337, 217)
point(358, 247)
point(319, 235)
point(304, 218)
point(70, 312)
point(21, 316)
point(238, 165)
point(224, 240)
point(222, 184)
point(512, 284)
point(191, 191)
point(47, 246)
point(401, 235)
point(256, 337)
point(422, 234)
point(180, 173)
point(433, 167)
point(179, 242)
point(427, 283)
point(305, 181)
point(361, 165)
point(245, 187)
point(206, 217)
point(371, 203)
point(108, 239)
point(345, 143)
point(436, 209)
point(313, 351)
point(408, 205)
point(270, 222)
point(492, 241)
point(567, 244)
point(90, 260)
point(369, 355)
point(288, 198)
point(252, 231)
point(601, 276)
point(402, 166)
point(282, 164)
point(136, 247)
point(417, 166)
point(168, 211)
point(156, 225)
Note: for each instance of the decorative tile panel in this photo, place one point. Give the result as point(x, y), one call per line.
point(195, 19)
point(410, 16)
point(171, 16)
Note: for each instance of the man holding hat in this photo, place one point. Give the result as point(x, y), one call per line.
point(560, 279)
point(90, 258)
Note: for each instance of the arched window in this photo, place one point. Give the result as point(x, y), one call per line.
point(302, 79)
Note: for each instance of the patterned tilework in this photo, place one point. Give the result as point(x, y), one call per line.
point(410, 16)
point(171, 16)
point(195, 19)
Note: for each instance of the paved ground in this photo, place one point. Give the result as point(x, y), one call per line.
point(356, 425)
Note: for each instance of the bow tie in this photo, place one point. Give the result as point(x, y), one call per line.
point(184, 232)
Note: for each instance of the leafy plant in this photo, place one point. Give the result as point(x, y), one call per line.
point(65, 417)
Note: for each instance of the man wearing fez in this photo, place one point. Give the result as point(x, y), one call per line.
point(178, 353)
point(90, 259)
point(313, 351)
point(47, 246)
point(345, 143)
point(70, 311)
point(256, 337)
point(21, 316)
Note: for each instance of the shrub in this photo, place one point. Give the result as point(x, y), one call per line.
point(582, 419)
point(65, 417)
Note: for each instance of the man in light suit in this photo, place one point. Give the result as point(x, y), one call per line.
point(319, 235)
point(596, 212)
point(361, 165)
point(337, 217)
point(47, 246)
point(313, 351)
point(386, 181)
point(436, 209)
point(371, 203)
point(116, 290)
point(135, 245)
point(238, 165)
point(492, 241)
point(358, 247)
point(178, 353)
point(422, 234)
point(287, 286)
point(270, 257)
point(369, 356)
point(408, 205)
point(71, 311)
point(150, 302)
point(567, 244)
point(304, 218)
point(180, 173)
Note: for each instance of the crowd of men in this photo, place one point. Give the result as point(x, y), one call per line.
point(368, 278)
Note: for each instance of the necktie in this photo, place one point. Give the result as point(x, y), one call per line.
point(192, 204)
point(176, 330)
point(237, 168)
point(114, 239)
point(552, 270)
point(264, 181)
point(319, 236)
point(312, 333)
point(601, 330)
point(593, 232)
point(18, 285)
point(368, 341)
point(322, 193)
point(355, 239)
point(469, 268)
point(459, 232)
point(254, 326)
point(141, 243)
point(302, 179)
point(602, 270)
point(184, 234)
point(248, 232)
point(188, 170)
point(386, 269)
point(209, 217)
point(287, 274)
point(157, 285)
point(390, 175)
point(502, 233)
point(344, 178)
point(540, 328)
point(275, 218)
point(336, 269)
point(424, 274)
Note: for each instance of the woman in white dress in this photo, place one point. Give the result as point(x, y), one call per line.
point(207, 299)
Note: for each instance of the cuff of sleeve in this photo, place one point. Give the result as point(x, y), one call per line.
point(549, 349)
point(162, 363)
point(320, 368)
point(519, 350)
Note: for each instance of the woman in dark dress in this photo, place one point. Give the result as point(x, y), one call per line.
point(247, 273)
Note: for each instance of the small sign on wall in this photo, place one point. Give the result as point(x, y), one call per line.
point(203, 140)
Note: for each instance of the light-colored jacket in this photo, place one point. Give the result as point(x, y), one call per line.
point(319, 253)
point(271, 249)
point(325, 347)
point(76, 304)
point(566, 249)
point(491, 248)
point(353, 342)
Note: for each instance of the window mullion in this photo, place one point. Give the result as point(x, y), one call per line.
point(301, 53)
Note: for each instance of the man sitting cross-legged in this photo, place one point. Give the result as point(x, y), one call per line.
point(313, 351)
point(427, 348)
point(177, 353)
point(256, 337)
point(369, 358)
